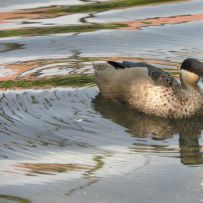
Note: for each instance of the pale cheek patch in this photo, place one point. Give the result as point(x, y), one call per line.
point(189, 78)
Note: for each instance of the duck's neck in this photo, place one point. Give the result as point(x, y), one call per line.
point(189, 80)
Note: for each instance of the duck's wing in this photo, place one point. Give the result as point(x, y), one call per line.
point(129, 64)
point(159, 77)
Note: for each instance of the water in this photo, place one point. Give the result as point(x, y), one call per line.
point(69, 144)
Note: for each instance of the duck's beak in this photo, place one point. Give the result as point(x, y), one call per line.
point(198, 69)
point(200, 83)
point(193, 65)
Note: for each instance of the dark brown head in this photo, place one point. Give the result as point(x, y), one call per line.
point(191, 70)
point(192, 65)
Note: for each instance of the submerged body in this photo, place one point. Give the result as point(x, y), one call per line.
point(149, 89)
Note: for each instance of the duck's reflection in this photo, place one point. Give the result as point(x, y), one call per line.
point(141, 125)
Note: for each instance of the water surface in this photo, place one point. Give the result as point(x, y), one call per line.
point(68, 144)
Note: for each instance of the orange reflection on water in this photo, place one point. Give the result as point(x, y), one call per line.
point(138, 24)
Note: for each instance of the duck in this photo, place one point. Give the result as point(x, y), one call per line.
point(152, 90)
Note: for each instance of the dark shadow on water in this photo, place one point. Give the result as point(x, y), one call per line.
point(6, 47)
point(140, 125)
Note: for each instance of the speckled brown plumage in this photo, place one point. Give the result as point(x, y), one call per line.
point(149, 89)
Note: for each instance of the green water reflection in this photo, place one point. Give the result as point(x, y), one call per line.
point(14, 199)
point(103, 6)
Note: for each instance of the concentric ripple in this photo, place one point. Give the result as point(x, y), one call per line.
point(61, 135)
point(72, 145)
point(39, 121)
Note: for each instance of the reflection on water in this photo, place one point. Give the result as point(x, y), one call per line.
point(50, 168)
point(13, 199)
point(142, 126)
point(77, 140)
point(148, 12)
point(70, 144)
point(10, 47)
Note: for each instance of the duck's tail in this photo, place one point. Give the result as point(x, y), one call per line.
point(103, 72)
point(101, 69)
point(100, 66)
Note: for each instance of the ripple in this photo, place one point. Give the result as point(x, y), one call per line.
point(73, 19)
point(160, 43)
point(68, 144)
point(147, 12)
point(9, 5)
point(66, 135)
point(14, 198)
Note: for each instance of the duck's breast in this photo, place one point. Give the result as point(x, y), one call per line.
point(155, 100)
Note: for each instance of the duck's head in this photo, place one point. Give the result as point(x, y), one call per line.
point(190, 72)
